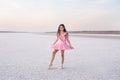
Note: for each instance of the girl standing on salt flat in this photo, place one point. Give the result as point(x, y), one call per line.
point(60, 44)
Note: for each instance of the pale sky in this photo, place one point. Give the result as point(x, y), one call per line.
point(46, 15)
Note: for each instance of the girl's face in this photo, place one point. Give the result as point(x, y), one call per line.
point(61, 28)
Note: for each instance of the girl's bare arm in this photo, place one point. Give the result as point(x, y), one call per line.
point(67, 38)
point(56, 40)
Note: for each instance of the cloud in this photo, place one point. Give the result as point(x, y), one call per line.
point(104, 1)
point(9, 4)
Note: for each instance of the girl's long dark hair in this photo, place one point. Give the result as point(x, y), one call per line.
point(58, 32)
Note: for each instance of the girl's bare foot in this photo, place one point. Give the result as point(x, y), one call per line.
point(49, 67)
point(62, 66)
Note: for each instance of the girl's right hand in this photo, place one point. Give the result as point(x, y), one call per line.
point(71, 47)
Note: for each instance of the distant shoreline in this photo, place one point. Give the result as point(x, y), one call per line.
point(87, 34)
point(92, 32)
point(13, 32)
point(71, 32)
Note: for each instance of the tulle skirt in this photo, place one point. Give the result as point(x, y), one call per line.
point(60, 45)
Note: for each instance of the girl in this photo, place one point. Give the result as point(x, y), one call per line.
point(60, 44)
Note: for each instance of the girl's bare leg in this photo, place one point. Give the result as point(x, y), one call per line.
point(62, 56)
point(52, 58)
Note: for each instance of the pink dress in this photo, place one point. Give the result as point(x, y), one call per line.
point(61, 43)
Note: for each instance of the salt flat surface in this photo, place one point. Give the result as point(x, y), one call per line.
point(25, 56)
